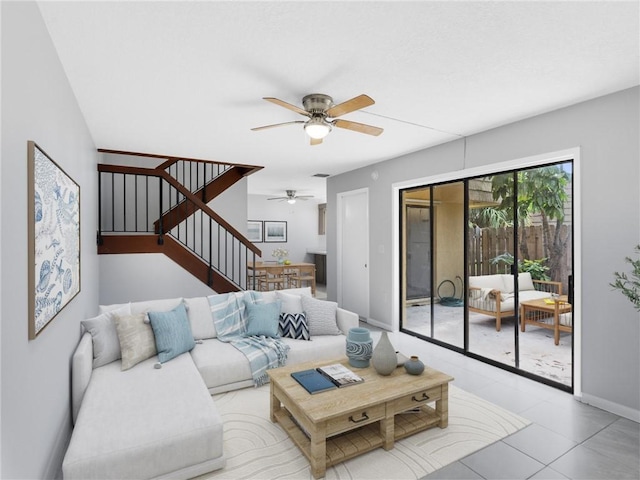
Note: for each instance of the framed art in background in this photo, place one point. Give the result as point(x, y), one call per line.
point(275, 231)
point(254, 231)
point(54, 238)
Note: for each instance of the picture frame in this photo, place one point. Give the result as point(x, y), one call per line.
point(254, 231)
point(275, 231)
point(53, 238)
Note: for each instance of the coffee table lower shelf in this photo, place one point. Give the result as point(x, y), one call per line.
point(345, 446)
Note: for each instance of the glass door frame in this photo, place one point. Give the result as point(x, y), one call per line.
point(575, 244)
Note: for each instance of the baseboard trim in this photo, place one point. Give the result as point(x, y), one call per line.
point(609, 406)
point(375, 323)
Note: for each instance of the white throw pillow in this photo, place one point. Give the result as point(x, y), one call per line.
point(290, 303)
point(137, 341)
point(321, 316)
point(106, 346)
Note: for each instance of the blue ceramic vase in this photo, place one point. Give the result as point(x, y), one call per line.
point(414, 366)
point(359, 347)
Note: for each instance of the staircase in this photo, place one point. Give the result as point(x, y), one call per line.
point(165, 210)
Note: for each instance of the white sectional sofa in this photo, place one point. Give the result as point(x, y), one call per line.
point(157, 419)
point(494, 294)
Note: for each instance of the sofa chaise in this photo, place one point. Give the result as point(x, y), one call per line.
point(494, 294)
point(156, 418)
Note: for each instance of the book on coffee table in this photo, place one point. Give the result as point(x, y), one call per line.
point(313, 381)
point(340, 375)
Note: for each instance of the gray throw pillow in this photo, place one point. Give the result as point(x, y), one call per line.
point(106, 346)
point(321, 316)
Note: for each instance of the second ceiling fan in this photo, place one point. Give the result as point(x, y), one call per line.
point(323, 115)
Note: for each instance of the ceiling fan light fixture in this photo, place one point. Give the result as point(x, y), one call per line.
point(317, 128)
point(291, 201)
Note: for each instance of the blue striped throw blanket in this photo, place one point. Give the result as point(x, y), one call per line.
point(230, 318)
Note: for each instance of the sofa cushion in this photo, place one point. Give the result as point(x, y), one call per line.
point(294, 325)
point(321, 316)
point(220, 363)
point(172, 332)
point(323, 347)
point(199, 313)
point(137, 342)
point(262, 319)
point(106, 345)
point(151, 423)
point(494, 282)
point(525, 282)
point(162, 305)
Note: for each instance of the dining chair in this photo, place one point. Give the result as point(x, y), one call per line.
point(306, 274)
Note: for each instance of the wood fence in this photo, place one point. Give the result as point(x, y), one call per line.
point(487, 243)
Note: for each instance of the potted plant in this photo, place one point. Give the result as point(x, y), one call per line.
point(630, 286)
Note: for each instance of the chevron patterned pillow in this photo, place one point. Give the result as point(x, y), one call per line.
point(294, 325)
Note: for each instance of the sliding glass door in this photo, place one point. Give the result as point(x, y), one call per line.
point(487, 266)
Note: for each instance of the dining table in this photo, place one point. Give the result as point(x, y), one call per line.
point(266, 274)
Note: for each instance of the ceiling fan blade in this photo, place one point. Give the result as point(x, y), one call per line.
point(278, 198)
point(356, 103)
point(316, 141)
point(358, 127)
point(288, 106)
point(255, 129)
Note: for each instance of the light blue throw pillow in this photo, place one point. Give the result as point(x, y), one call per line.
point(263, 319)
point(173, 333)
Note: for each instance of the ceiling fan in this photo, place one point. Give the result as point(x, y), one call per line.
point(323, 115)
point(292, 197)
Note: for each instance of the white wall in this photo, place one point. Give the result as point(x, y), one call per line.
point(38, 104)
point(606, 130)
point(302, 226)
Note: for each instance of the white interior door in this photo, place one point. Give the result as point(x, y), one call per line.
point(353, 251)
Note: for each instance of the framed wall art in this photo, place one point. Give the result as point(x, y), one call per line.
point(254, 231)
point(275, 231)
point(54, 238)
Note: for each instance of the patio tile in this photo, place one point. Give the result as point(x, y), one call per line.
point(501, 461)
point(540, 443)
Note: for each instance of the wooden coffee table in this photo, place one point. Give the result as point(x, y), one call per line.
point(336, 425)
point(555, 309)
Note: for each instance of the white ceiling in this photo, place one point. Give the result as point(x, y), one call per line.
point(187, 78)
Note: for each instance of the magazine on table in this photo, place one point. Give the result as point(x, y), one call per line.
point(340, 375)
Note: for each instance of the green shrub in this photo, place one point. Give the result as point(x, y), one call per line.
point(536, 268)
point(629, 286)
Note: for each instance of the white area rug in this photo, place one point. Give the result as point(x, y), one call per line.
point(258, 449)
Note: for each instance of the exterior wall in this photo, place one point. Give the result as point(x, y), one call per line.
point(38, 105)
point(605, 130)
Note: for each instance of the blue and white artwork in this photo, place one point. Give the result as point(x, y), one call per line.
point(55, 239)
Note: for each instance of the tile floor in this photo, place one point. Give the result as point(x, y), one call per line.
point(566, 439)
